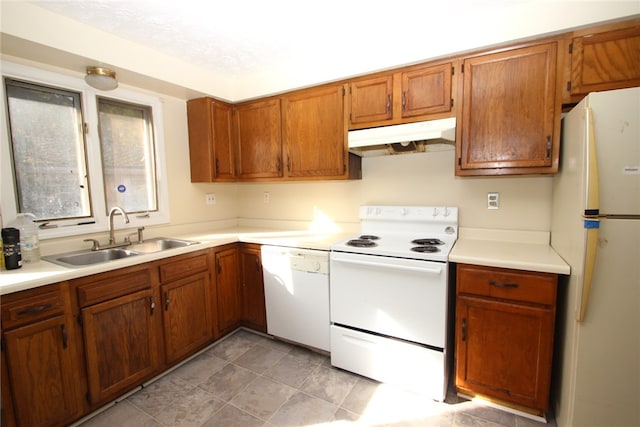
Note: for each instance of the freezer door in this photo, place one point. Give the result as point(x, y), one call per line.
point(616, 126)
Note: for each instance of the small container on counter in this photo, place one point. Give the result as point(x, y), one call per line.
point(29, 241)
point(11, 248)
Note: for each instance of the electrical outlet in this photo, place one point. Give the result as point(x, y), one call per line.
point(266, 197)
point(493, 200)
point(210, 199)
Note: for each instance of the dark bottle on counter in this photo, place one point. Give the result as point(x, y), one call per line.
point(11, 248)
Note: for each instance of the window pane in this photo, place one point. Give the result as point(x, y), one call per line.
point(128, 157)
point(48, 151)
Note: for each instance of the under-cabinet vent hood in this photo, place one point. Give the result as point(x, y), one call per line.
point(433, 135)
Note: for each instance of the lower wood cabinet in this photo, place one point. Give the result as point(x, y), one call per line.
point(504, 335)
point(254, 313)
point(227, 290)
point(71, 347)
point(40, 376)
point(186, 305)
point(120, 323)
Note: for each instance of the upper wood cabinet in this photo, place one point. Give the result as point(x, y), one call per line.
point(510, 116)
point(259, 139)
point(315, 134)
point(40, 375)
point(410, 95)
point(211, 147)
point(605, 61)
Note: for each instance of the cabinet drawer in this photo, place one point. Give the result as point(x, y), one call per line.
point(183, 267)
point(108, 286)
point(30, 306)
point(517, 285)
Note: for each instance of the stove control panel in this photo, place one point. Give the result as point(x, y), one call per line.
point(447, 214)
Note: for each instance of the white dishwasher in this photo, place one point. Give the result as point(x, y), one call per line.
point(296, 291)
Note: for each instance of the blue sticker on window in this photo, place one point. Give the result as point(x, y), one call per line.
point(590, 223)
point(122, 188)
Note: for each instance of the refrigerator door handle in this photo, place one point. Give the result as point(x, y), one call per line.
point(592, 231)
point(592, 209)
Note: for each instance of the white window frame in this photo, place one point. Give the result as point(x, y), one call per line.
point(94, 162)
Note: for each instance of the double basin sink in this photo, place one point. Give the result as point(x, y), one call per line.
point(90, 257)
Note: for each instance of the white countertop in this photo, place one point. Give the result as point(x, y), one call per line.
point(520, 250)
point(44, 273)
point(496, 248)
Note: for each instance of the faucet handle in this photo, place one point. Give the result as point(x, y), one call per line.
point(96, 244)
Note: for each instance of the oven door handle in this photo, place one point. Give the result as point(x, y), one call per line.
point(436, 270)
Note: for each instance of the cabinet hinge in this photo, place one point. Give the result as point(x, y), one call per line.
point(344, 92)
point(79, 318)
point(85, 129)
point(569, 85)
point(344, 168)
point(462, 68)
point(570, 47)
point(453, 71)
point(451, 102)
point(459, 161)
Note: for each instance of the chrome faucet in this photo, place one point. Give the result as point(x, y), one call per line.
point(112, 235)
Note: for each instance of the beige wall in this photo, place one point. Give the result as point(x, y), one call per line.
point(414, 179)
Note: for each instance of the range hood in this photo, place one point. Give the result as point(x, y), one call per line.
point(432, 135)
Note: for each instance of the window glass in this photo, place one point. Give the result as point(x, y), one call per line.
point(128, 157)
point(47, 142)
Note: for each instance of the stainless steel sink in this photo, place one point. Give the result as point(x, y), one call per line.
point(159, 244)
point(89, 257)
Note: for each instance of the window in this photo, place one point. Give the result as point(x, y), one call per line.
point(47, 144)
point(70, 154)
point(128, 158)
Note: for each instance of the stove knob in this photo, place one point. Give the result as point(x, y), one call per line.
point(436, 212)
point(446, 212)
point(404, 212)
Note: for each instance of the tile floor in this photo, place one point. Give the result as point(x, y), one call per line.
point(250, 380)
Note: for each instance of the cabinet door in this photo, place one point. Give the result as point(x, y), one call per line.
point(426, 91)
point(120, 344)
point(504, 351)
point(42, 363)
point(605, 61)
point(315, 133)
point(259, 138)
point(211, 149)
point(252, 287)
point(510, 113)
point(186, 316)
point(228, 295)
point(371, 100)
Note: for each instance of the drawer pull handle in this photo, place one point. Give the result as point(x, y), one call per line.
point(34, 310)
point(503, 285)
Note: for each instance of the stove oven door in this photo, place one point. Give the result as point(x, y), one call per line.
point(400, 298)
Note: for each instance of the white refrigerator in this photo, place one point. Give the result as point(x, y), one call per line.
point(596, 229)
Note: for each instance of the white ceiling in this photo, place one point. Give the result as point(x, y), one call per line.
point(266, 46)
